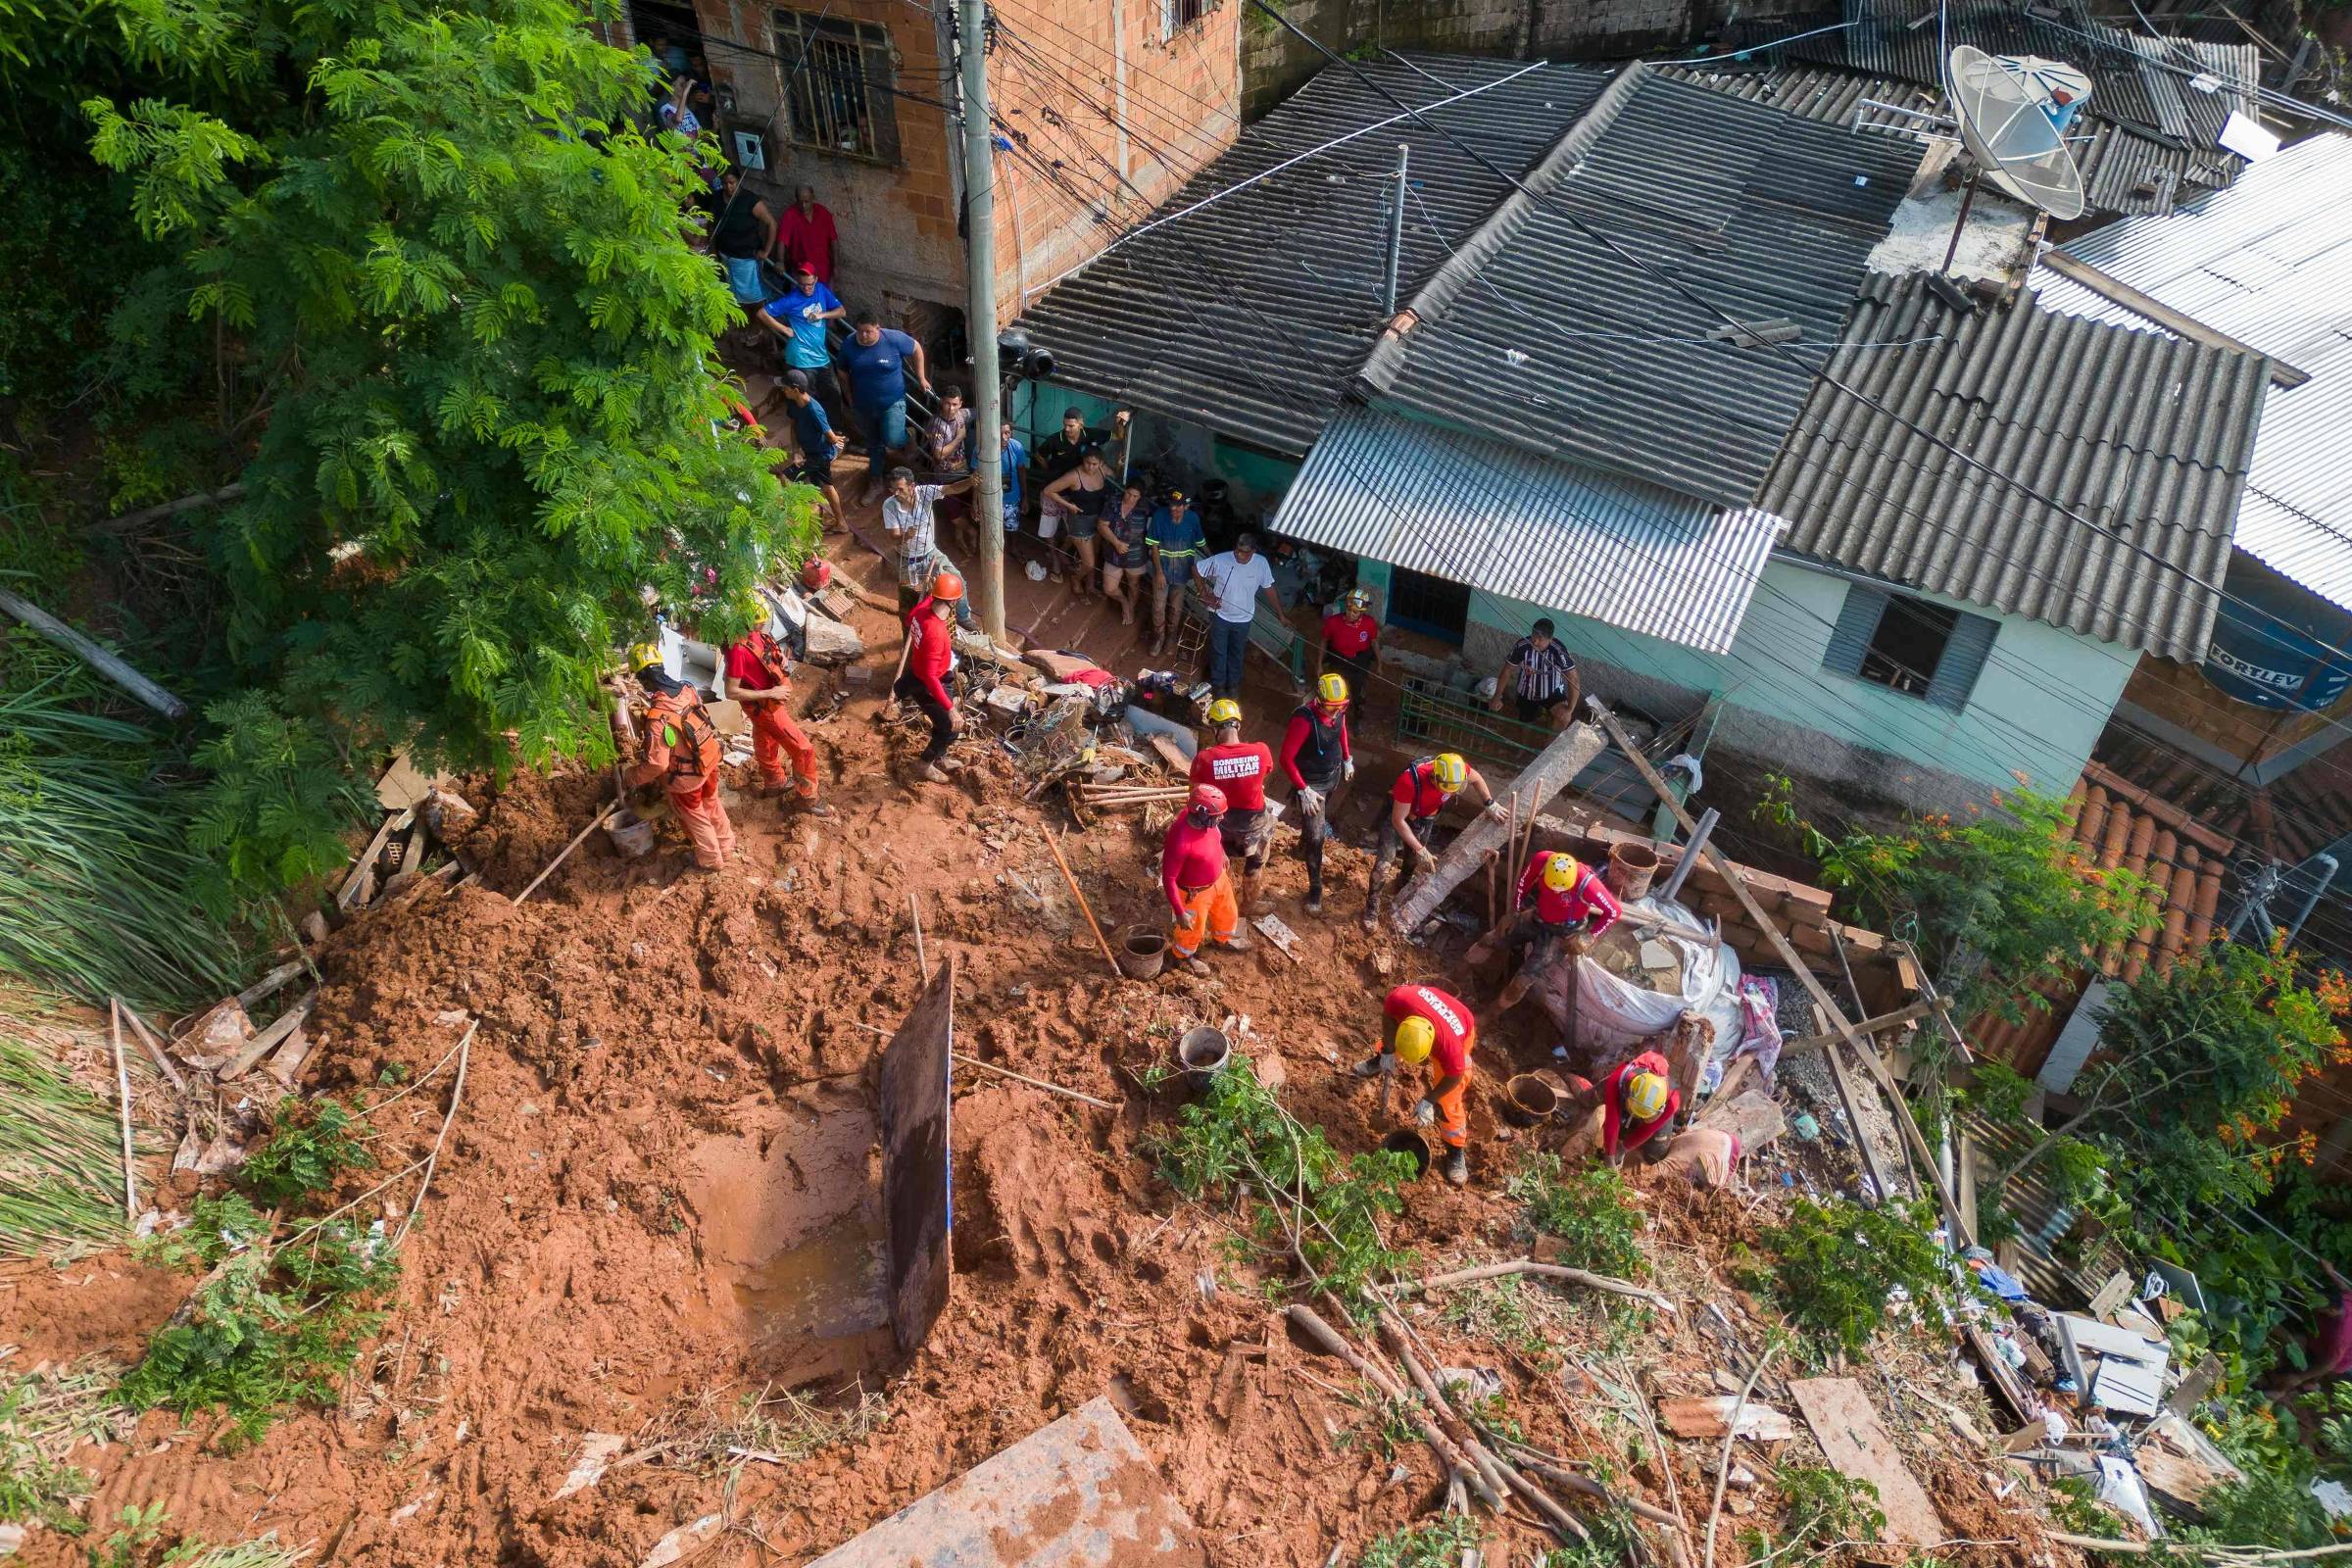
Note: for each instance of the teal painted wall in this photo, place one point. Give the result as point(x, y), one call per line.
point(2037, 708)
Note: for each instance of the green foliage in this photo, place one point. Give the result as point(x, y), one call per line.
point(35, 1485)
point(2074, 1509)
point(310, 1143)
point(218, 1225)
point(1310, 1206)
point(1499, 1310)
point(1587, 1209)
point(60, 1159)
point(1836, 1265)
point(94, 889)
point(2270, 1507)
point(279, 802)
point(2002, 904)
point(1438, 1543)
point(1821, 1506)
point(1387, 1423)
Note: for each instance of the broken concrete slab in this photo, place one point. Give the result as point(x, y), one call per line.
point(1855, 1442)
point(830, 642)
point(1078, 1493)
point(1710, 1416)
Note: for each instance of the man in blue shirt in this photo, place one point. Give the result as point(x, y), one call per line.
point(876, 360)
point(1017, 460)
point(798, 318)
point(1176, 542)
point(818, 442)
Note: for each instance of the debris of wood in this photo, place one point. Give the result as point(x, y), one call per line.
point(1322, 1334)
point(1732, 1425)
point(285, 1062)
point(217, 1036)
point(686, 1539)
point(112, 666)
point(597, 1450)
point(1168, 752)
point(1710, 1415)
point(603, 814)
point(1549, 1271)
point(1034, 1083)
point(1084, 909)
point(359, 883)
point(1285, 940)
point(1856, 1444)
point(261, 1044)
point(154, 1045)
point(403, 785)
point(131, 1166)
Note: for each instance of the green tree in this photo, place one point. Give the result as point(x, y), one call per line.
point(451, 338)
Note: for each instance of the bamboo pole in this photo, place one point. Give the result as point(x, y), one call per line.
point(131, 1176)
point(1549, 1271)
point(1329, 1338)
point(1084, 908)
point(603, 814)
point(1034, 1083)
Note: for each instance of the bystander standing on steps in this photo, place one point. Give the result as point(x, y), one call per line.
point(1236, 581)
point(910, 515)
point(1175, 541)
point(806, 236)
point(797, 317)
point(744, 231)
point(877, 359)
point(1120, 533)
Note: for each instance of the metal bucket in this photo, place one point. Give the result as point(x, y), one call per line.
point(1413, 1143)
point(631, 834)
point(1202, 1053)
point(1529, 1100)
point(1142, 951)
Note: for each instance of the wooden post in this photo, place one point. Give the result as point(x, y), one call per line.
point(1863, 1049)
point(1545, 776)
point(112, 666)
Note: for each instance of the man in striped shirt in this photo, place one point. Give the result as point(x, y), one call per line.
point(1539, 677)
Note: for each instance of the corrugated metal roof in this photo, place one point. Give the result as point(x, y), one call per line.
point(2124, 170)
point(2147, 435)
point(1155, 323)
point(1547, 338)
point(1479, 512)
point(2270, 263)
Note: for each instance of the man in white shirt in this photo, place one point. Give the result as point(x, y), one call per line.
point(908, 516)
point(1233, 583)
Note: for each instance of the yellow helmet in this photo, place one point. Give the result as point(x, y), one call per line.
point(1561, 871)
point(1451, 772)
point(644, 656)
point(1332, 688)
point(756, 610)
point(1414, 1038)
point(1224, 711)
point(1359, 598)
point(1644, 1095)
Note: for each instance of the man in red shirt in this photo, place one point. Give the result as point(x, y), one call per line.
point(1240, 768)
point(1633, 1107)
point(1419, 794)
point(1350, 640)
point(759, 676)
point(806, 236)
point(924, 661)
point(1562, 906)
point(1316, 756)
point(1423, 1024)
point(1191, 875)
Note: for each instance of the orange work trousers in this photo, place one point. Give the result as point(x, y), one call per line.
point(1212, 911)
point(697, 802)
point(775, 738)
point(1453, 1113)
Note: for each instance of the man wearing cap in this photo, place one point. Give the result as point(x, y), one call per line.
point(1176, 542)
point(1234, 582)
point(1194, 880)
point(797, 319)
point(1316, 755)
point(1419, 794)
point(1631, 1107)
point(1422, 1024)
point(911, 517)
point(1561, 907)
point(1240, 768)
point(820, 443)
point(680, 750)
point(924, 659)
point(759, 676)
point(1350, 641)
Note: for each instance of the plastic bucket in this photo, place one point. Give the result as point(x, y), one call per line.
point(1202, 1053)
point(632, 834)
point(1529, 1100)
point(1414, 1143)
point(1142, 951)
point(1631, 868)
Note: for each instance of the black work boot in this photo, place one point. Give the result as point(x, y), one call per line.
point(1458, 1168)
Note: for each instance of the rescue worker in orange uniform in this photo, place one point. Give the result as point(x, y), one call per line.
point(1633, 1107)
point(1426, 1025)
point(1240, 770)
point(759, 674)
point(1191, 873)
point(1561, 907)
point(681, 751)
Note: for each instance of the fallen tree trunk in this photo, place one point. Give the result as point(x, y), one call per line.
point(112, 666)
point(1549, 773)
point(1324, 1335)
point(1549, 1271)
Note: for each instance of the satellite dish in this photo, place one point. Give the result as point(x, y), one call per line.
point(2013, 112)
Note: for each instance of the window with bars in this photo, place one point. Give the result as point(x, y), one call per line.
point(1177, 15)
point(837, 86)
point(1913, 646)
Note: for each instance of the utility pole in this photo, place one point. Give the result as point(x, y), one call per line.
point(980, 314)
point(1395, 230)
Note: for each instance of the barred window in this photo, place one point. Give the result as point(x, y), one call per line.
point(1177, 15)
point(837, 86)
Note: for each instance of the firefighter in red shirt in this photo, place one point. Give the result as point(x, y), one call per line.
point(1350, 640)
point(924, 659)
point(681, 750)
point(759, 676)
point(1633, 1107)
point(1562, 906)
point(1419, 794)
point(1191, 875)
point(1240, 768)
point(1316, 755)
point(1424, 1024)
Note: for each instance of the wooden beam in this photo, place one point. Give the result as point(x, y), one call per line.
point(1868, 1026)
point(169, 509)
point(111, 666)
point(1863, 1050)
point(2283, 375)
point(1549, 773)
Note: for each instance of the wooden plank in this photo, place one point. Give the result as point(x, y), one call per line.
point(913, 1100)
point(355, 880)
point(112, 666)
point(1868, 1026)
point(1788, 956)
point(2283, 375)
point(1850, 1095)
point(1856, 1444)
point(1552, 770)
point(1710, 1415)
point(266, 1041)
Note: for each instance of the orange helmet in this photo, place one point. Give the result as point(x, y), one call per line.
point(1208, 798)
point(947, 587)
